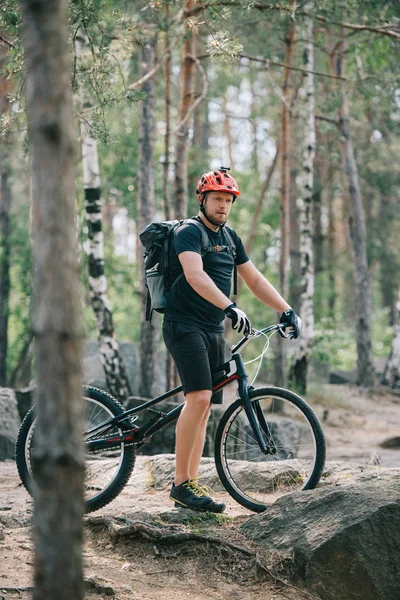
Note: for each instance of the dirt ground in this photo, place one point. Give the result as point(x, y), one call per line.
point(131, 567)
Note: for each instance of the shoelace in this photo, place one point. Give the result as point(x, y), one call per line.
point(198, 490)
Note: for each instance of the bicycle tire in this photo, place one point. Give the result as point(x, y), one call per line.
point(99, 399)
point(274, 475)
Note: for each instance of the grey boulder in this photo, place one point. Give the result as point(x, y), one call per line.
point(9, 423)
point(339, 542)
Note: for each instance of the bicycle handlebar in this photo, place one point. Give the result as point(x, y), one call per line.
point(279, 327)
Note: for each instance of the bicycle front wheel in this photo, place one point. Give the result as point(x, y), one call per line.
point(295, 448)
point(106, 472)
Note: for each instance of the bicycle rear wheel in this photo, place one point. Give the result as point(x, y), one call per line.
point(296, 448)
point(106, 472)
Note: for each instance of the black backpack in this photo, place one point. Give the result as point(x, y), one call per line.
point(157, 241)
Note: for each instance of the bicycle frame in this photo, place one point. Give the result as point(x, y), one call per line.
point(232, 370)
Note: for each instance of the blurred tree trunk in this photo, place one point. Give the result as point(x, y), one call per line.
point(58, 457)
point(111, 359)
point(257, 212)
point(332, 249)
point(170, 370)
point(303, 351)
point(294, 244)
point(280, 348)
point(391, 375)
point(358, 235)
point(228, 134)
point(167, 138)
point(254, 147)
point(182, 134)
point(5, 247)
point(146, 212)
point(5, 228)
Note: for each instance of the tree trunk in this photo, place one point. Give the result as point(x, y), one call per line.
point(303, 352)
point(167, 76)
point(280, 348)
point(391, 375)
point(117, 381)
point(294, 244)
point(257, 212)
point(331, 258)
point(146, 213)
point(5, 229)
point(358, 236)
point(59, 463)
point(182, 134)
point(228, 134)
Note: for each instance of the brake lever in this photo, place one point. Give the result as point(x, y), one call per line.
point(281, 331)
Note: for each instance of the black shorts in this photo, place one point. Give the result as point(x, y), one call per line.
point(196, 353)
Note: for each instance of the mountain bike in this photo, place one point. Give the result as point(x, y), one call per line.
point(271, 429)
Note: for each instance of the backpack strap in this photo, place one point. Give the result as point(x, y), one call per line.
point(232, 244)
point(207, 248)
point(205, 240)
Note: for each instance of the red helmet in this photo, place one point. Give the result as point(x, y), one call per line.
point(216, 181)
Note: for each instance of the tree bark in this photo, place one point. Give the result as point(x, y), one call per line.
point(58, 459)
point(358, 235)
point(332, 249)
point(391, 374)
point(303, 352)
point(294, 245)
point(146, 213)
point(5, 228)
point(228, 134)
point(114, 370)
point(167, 76)
point(280, 348)
point(5, 248)
point(182, 134)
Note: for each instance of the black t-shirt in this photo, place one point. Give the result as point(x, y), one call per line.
point(184, 304)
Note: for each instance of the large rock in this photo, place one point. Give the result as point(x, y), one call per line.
point(9, 423)
point(161, 469)
point(94, 371)
point(340, 542)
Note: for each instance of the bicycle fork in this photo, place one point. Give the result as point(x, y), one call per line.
point(255, 418)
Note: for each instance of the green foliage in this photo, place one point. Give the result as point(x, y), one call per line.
point(116, 30)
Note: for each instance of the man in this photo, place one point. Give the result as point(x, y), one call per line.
point(193, 332)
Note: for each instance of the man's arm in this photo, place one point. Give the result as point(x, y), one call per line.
point(261, 287)
point(198, 279)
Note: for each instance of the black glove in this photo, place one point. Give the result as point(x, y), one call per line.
point(291, 321)
point(240, 320)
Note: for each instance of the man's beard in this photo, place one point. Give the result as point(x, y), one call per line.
point(210, 219)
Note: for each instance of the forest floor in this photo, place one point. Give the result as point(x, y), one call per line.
point(227, 566)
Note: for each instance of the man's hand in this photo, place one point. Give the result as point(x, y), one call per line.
point(240, 321)
point(292, 322)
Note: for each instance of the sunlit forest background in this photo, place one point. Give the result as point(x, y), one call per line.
point(210, 84)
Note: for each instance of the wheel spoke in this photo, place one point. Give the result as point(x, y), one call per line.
point(290, 430)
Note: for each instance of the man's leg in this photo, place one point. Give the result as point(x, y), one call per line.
point(190, 434)
point(198, 448)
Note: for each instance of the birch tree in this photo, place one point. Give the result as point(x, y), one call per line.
point(59, 464)
point(117, 381)
point(391, 375)
point(280, 352)
point(303, 353)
